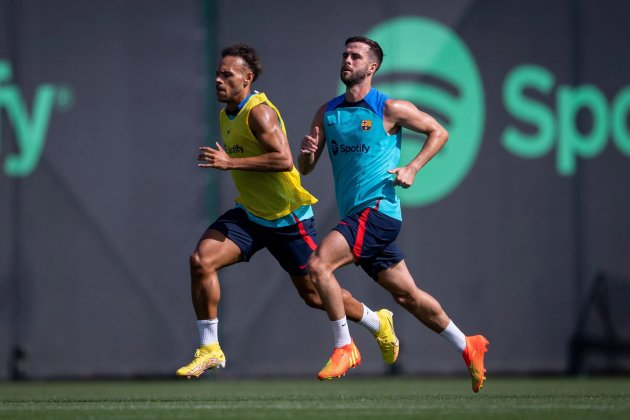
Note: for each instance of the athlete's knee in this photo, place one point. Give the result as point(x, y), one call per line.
point(316, 268)
point(419, 303)
point(201, 264)
point(405, 298)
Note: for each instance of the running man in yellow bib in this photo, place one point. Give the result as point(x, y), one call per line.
point(272, 211)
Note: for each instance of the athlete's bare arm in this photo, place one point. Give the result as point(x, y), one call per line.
point(399, 113)
point(312, 145)
point(264, 123)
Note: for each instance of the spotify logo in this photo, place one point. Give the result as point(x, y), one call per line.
point(556, 127)
point(427, 64)
point(335, 147)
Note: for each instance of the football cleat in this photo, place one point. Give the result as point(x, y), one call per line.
point(342, 359)
point(206, 357)
point(386, 337)
point(476, 347)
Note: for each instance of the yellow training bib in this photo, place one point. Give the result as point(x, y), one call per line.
point(269, 195)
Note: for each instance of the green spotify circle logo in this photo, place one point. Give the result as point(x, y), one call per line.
point(427, 64)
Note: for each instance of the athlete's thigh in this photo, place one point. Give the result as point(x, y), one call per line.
point(216, 248)
point(396, 279)
point(229, 239)
point(334, 251)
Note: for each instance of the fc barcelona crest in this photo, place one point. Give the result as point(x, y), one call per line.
point(366, 125)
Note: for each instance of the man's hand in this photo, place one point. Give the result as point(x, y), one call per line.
point(310, 143)
point(214, 158)
point(404, 176)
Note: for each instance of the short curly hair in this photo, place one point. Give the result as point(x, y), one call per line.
point(248, 54)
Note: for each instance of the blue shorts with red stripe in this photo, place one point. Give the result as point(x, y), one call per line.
point(372, 238)
point(291, 245)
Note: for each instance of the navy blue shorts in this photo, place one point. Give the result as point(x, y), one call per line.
point(372, 238)
point(291, 246)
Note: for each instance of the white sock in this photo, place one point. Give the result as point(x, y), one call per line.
point(208, 331)
point(341, 332)
point(370, 320)
point(454, 336)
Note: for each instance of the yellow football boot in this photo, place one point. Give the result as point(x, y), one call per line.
point(386, 336)
point(206, 357)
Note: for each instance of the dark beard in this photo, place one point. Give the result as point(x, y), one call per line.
point(354, 79)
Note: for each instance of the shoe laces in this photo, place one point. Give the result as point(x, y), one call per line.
point(385, 343)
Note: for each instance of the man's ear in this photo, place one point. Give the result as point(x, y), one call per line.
point(372, 68)
point(249, 79)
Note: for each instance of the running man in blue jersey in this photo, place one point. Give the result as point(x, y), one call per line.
point(362, 131)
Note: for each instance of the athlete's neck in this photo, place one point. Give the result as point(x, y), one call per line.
point(357, 92)
point(233, 107)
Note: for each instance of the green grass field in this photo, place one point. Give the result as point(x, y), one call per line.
point(212, 397)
